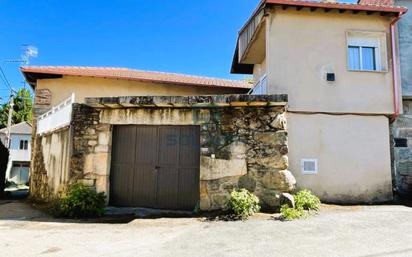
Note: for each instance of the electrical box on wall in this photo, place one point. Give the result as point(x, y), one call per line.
point(309, 166)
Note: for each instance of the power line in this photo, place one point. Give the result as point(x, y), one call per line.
point(4, 78)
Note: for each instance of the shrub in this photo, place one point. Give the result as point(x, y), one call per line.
point(291, 213)
point(243, 204)
point(81, 202)
point(305, 200)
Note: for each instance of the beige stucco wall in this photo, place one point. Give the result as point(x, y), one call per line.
point(353, 154)
point(99, 87)
point(259, 70)
point(302, 46)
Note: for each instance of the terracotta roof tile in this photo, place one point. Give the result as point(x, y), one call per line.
point(130, 74)
point(374, 5)
point(377, 2)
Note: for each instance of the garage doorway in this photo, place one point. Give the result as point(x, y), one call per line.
point(155, 167)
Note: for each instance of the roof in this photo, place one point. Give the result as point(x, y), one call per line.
point(20, 128)
point(367, 7)
point(377, 2)
point(33, 73)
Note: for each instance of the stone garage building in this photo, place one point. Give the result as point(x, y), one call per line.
point(156, 150)
point(169, 152)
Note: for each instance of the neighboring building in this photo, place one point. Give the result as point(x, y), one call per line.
point(402, 128)
point(20, 152)
point(334, 62)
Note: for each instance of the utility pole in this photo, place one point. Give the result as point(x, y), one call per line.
point(8, 136)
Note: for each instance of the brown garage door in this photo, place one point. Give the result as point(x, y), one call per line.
point(155, 167)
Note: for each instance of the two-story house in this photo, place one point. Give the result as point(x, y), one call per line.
point(336, 63)
point(18, 166)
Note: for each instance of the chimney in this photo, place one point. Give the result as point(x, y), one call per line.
point(377, 2)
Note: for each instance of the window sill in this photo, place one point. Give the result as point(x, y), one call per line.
point(369, 71)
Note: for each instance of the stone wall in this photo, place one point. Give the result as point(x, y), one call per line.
point(90, 162)
point(402, 130)
point(242, 147)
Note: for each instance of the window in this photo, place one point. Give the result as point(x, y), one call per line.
point(24, 144)
point(366, 51)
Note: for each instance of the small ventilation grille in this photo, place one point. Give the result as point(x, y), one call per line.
point(309, 166)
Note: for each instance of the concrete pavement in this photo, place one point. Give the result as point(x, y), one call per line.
point(336, 231)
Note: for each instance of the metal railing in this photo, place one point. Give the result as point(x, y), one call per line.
point(261, 87)
point(58, 117)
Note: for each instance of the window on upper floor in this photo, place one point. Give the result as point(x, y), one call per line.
point(366, 51)
point(24, 145)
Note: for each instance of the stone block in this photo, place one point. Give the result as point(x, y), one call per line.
point(212, 169)
point(102, 149)
point(271, 138)
point(221, 200)
point(104, 138)
point(276, 162)
point(287, 199)
point(270, 198)
point(247, 182)
point(101, 166)
point(282, 180)
point(88, 163)
point(87, 182)
point(92, 143)
point(279, 122)
point(205, 204)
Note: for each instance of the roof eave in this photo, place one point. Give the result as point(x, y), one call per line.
point(239, 68)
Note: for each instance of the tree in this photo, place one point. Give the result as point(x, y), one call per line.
point(22, 110)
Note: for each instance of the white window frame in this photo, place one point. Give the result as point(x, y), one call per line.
point(363, 39)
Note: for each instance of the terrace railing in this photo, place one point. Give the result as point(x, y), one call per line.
point(58, 117)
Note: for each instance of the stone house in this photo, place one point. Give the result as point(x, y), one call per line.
point(336, 64)
point(402, 128)
point(18, 166)
point(156, 149)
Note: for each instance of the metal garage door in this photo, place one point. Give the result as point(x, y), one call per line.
point(155, 167)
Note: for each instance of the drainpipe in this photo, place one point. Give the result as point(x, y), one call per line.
point(395, 69)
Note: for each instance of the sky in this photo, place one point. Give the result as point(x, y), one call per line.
point(190, 37)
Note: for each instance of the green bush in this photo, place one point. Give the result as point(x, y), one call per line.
point(305, 200)
point(243, 204)
point(291, 213)
point(81, 202)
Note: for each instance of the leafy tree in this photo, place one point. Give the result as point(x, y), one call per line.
point(22, 110)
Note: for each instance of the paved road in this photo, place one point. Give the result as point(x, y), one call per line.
point(337, 231)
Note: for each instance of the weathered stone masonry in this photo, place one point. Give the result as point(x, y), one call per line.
point(243, 143)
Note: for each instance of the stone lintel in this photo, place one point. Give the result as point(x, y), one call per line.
point(188, 101)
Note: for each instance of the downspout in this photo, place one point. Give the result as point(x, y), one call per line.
point(395, 69)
